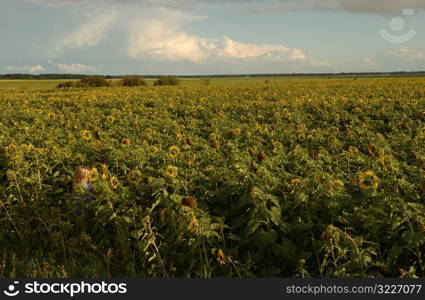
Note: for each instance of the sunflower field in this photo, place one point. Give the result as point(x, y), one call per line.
point(296, 178)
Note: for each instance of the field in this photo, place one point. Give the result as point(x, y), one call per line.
point(245, 178)
point(49, 84)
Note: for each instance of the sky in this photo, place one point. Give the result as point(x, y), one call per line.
point(204, 37)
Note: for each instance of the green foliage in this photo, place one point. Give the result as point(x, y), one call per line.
point(93, 81)
point(166, 80)
point(132, 80)
point(320, 178)
point(68, 84)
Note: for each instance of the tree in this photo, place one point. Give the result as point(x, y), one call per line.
point(133, 80)
point(167, 80)
point(93, 81)
point(65, 85)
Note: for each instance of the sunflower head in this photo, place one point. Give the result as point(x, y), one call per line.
point(135, 176)
point(352, 149)
point(368, 180)
point(51, 116)
point(170, 171)
point(85, 134)
point(189, 202)
point(357, 110)
point(221, 258)
point(235, 132)
point(261, 156)
point(125, 142)
point(173, 151)
point(338, 183)
point(113, 182)
point(215, 144)
point(94, 174)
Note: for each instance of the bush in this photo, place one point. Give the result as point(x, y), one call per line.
point(131, 80)
point(93, 81)
point(167, 80)
point(65, 85)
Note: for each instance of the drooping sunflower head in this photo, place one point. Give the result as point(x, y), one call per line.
point(189, 202)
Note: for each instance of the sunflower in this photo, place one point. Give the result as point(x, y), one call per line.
point(353, 149)
point(171, 171)
point(295, 181)
point(94, 174)
point(51, 116)
point(85, 134)
point(221, 258)
point(338, 183)
point(357, 110)
point(125, 142)
point(113, 182)
point(189, 202)
point(235, 132)
point(104, 171)
point(153, 150)
point(174, 151)
point(135, 176)
point(216, 144)
point(384, 161)
point(193, 225)
point(368, 180)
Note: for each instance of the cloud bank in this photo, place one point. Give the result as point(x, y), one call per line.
point(164, 38)
point(264, 6)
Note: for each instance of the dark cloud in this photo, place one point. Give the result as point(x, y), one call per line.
point(266, 6)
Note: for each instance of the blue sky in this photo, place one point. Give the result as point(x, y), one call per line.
point(211, 36)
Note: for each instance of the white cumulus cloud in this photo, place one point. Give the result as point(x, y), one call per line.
point(408, 54)
point(163, 38)
point(30, 69)
point(88, 34)
point(75, 68)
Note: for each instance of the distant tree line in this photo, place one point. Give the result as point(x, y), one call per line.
point(127, 80)
point(80, 76)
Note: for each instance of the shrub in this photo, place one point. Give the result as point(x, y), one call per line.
point(93, 81)
point(132, 80)
point(65, 85)
point(167, 80)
